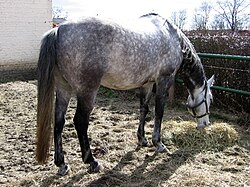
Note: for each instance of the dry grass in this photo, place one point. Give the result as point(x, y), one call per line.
point(184, 135)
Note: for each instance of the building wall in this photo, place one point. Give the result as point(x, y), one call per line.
point(22, 25)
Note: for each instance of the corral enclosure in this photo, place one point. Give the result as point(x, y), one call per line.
point(216, 156)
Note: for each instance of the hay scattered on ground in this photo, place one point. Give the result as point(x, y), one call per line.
point(184, 135)
point(216, 156)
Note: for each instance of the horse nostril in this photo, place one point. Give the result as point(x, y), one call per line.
point(200, 126)
point(206, 123)
point(203, 125)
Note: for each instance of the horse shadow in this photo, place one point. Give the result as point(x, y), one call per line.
point(140, 176)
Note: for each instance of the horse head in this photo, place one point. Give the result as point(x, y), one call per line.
point(198, 103)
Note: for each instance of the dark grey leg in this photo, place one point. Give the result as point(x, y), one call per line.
point(81, 121)
point(60, 111)
point(145, 95)
point(161, 91)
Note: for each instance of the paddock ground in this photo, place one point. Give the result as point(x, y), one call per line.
point(217, 156)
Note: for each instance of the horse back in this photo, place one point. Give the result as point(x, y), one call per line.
point(118, 55)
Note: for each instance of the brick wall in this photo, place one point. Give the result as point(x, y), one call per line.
point(22, 25)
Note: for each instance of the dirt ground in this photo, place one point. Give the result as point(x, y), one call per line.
point(114, 122)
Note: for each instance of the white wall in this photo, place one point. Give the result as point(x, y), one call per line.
point(22, 24)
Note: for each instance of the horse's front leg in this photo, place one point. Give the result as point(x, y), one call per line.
point(161, 91)
point(81, 121)
point(60, 111)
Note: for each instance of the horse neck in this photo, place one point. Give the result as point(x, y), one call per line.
point(191, 68)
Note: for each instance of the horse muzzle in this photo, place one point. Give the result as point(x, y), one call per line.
point(203, 125)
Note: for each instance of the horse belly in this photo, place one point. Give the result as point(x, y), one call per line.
point(121, 81)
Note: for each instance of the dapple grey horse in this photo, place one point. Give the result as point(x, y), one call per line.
point(77, 57)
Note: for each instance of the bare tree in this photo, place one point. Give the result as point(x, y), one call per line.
point(59, 16)
point(179, 18)
point(234, 13)
point(218, 23)
point(59, 12)
point(202, 15)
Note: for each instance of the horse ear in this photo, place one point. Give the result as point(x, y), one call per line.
point(210, 82)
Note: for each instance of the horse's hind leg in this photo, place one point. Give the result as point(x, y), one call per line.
point(81, 121)
point(145, 95)
point(62, 100)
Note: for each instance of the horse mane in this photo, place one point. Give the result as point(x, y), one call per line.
point(191, 67)
point(149, 14)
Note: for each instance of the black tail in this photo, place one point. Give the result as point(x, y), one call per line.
point(45, 103)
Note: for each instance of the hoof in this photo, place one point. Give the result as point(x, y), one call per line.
point(94, 167)
point(161, 148)
point(63, 170)
point(143, 142)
